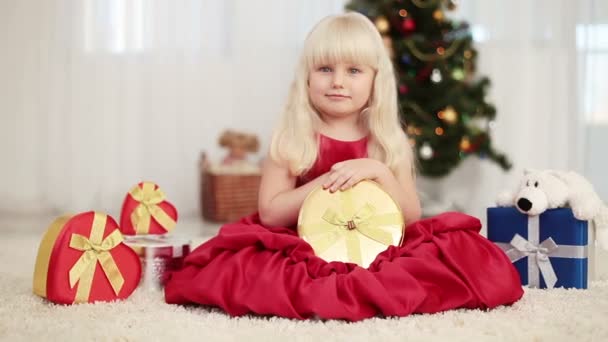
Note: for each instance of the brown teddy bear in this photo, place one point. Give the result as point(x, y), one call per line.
point(238, 145)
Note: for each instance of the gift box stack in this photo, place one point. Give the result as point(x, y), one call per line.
point(553, 249)
point(147, 220)
point(87, 257)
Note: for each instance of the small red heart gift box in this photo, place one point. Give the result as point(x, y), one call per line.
point(82, 259)
point(145, 211)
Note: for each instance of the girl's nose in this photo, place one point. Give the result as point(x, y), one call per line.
point(338, 79)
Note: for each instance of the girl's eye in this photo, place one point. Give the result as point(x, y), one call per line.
point(354, 70)
point(325, 69)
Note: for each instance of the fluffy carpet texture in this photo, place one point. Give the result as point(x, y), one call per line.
point(555, 315)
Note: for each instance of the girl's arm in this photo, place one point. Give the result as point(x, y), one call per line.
point(279, 200)
point(401, 187)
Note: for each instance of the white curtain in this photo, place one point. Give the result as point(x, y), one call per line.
point(96, 95)
point(592, 44)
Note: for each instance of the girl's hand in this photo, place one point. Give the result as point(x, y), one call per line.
point(346, 174)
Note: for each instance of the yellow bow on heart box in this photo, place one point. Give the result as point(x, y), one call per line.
point(95, 249)
point(351, 226)
point(149, 198)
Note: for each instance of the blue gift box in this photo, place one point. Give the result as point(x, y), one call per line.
point(549, 250)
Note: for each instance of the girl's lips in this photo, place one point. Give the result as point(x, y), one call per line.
point(337, 96)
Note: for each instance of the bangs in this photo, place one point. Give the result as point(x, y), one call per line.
point(343, 40)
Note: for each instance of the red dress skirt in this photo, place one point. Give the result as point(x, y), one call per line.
point(442, 264)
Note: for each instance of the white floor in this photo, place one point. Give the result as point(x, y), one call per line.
point(542, 315)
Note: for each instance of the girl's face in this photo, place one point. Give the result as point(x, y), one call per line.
point(340, 89)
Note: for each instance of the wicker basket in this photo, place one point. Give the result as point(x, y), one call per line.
point(227, 197)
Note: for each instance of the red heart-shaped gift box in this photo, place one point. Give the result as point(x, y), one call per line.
point(145, 211)
point(82, 258)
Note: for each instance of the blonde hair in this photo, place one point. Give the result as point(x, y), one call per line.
point(351, 38)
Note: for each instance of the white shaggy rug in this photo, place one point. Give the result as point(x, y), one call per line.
point(555, 315)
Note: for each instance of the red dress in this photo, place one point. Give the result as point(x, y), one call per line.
point(442, 264)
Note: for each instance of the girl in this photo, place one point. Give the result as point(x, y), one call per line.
point(344, 94)
point(341, 126)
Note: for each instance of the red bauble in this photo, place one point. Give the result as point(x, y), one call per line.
point(408, 25)
point(403, 89)
point(424, 73)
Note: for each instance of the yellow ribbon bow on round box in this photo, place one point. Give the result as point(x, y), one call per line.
point(354, 225)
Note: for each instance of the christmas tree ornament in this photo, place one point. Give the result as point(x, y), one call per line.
point(403, 89)
point(438, 15)
point(477, 125)
point(408, 25)
point(436, 76)
point(424, 73)
point(465, 144)
point(406, 58)
point(426, 151)
point(492, 125)
point(450, 115)
point(403, 13)
point(439, 131)
point(440, 51)
point(458, 74)
point(382, 24)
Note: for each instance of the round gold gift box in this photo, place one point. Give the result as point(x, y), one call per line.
point(354, 225)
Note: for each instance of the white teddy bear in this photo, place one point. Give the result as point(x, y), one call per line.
point(540, 190)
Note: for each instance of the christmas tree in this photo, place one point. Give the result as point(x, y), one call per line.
point(444, 105)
